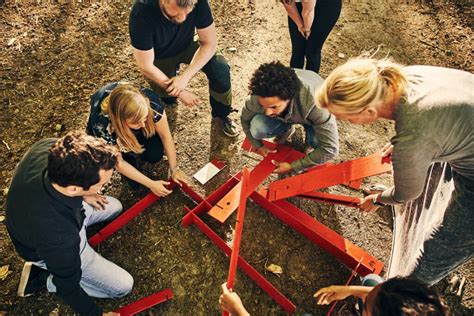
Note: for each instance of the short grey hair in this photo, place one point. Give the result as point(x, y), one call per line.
point(184, 3)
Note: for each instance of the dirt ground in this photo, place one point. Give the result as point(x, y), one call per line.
point(54, 56)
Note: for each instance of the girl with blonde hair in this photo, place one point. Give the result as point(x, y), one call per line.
point(135, 121)
point(433, 110)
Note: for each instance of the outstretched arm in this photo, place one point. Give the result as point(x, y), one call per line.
point(332, 293)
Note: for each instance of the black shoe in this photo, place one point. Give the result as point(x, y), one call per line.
point(228, 126)
point(32, 279)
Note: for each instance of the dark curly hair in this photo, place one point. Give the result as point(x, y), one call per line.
point(274, 80)
point(77, 158)
point(406, 296)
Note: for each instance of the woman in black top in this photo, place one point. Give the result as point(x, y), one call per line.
point(135, 121)
point(310, 23)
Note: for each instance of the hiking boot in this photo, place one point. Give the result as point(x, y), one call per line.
point(282, 138)
point(32, 280)
point(228, 126)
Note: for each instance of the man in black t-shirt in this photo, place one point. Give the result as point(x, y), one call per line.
point(162, 32)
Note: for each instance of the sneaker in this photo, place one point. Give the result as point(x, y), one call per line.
point(32, 279)
point(281, 139)
point(228, 126)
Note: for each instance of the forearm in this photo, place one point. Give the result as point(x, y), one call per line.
point(307, 13)
point(144, 60)
point(203, 54)
point(360, 291)
point(293, 13)
point(170, 151)
point(132, 173)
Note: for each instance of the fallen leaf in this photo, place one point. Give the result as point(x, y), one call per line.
point(4, 272)
point(232, 49)
point(341, 55)
point(11, 41)
point(273, 268)
point(2, 218)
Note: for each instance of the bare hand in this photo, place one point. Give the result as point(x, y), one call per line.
point(329, 294)
point(386, 150)
point(367, 205)
point(176, 85)
point(264, 151)
point(110, 314)
point(302, 31)
point(231, 302)
point(189, 98)
point(179, 176)
point(96, 200)
point(307, 33)
point(159, 189)
point(282, 167)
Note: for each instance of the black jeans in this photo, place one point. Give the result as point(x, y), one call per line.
point(153, 153)
point(325, 17)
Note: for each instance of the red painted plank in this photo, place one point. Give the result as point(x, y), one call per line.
point(266, 286)
point(239, 226)
point(122, 219)
point(331, 198)
point(145, 303)
point(345, 251)
point(332, 175)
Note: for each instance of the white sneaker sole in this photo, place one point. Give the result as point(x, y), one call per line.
point(25, 275)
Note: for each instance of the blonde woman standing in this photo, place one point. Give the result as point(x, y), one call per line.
point(135, 121)
point(433, 110)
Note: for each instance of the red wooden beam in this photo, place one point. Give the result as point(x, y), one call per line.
point(266, 286)
point(344, 172)
point(122, 219)
point(229, 203)
point(213, 198)
point(341, 248)
point(239, 226)
point(332, 198)
point(145, 303)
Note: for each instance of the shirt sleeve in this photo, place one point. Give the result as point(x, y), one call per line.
point(411, 159)
point(141, 31)
point(203, 14)
point(248, 113)
point(64, 263)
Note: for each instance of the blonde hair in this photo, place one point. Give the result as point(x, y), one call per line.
point(127, 102)
point(359, 83)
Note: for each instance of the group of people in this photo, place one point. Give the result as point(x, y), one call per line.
point(432, 107)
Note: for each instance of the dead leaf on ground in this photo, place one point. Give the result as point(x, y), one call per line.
point(2, 218)
point(4, 272)
point(11, 41)
point(273, 268)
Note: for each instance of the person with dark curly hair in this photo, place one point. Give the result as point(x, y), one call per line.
point(394, 297)
point(281, 97)
point(53, 198)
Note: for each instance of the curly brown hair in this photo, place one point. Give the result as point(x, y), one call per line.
point(77, 158)
point(274, 80)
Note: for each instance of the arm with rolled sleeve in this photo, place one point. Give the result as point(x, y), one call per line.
point(325, 130)
point(411, 158)
point(64, 263)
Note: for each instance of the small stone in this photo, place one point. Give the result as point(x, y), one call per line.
point(232, 49)
point(341, 55)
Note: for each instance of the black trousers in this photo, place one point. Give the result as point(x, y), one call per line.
point(325, 17)
point(153, 153)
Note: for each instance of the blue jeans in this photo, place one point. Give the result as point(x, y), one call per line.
point(100, 277)
point(369, 280)
point(263, 126)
